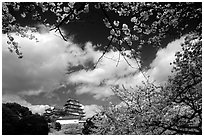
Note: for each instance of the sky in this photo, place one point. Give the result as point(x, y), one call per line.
point(53, 70)
point(39, 79)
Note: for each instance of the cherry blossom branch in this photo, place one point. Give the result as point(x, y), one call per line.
point(140, 68)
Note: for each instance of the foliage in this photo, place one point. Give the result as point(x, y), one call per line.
point(175, 108)
point(18, 120)
point(88, 126)
point(34, 125)
point(129, 117)
point(9, 121)
point(68, 129)
point(186, 86)
point(54, 127)
point(57, 126)
point(148, 22)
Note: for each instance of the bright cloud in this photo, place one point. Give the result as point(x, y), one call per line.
point(76, 56)
point(91, 110)
point(9, 98)
point(98, 92)
point(160, 66)
point(40, 70)
point(98, 81)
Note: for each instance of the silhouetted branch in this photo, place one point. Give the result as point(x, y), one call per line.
point(128, 62)
point(61, 34)
point(104, 52)
point(111, 58)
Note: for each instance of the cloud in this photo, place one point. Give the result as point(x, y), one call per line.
point(91, 110)
point(98, 92)
point(77, 56)
point(160, 66)
point(45, 63)
point(42, 29)
point(98, 81)
point(40, 70)
point(40, 109)
point(10, 98)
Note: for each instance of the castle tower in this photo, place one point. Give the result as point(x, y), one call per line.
point(74, 108)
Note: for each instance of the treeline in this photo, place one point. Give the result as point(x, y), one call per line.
point(19, 120)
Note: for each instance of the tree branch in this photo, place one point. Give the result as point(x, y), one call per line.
point(106, 50)
point(69, 14)
point(109, 20)
point(61, 34)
